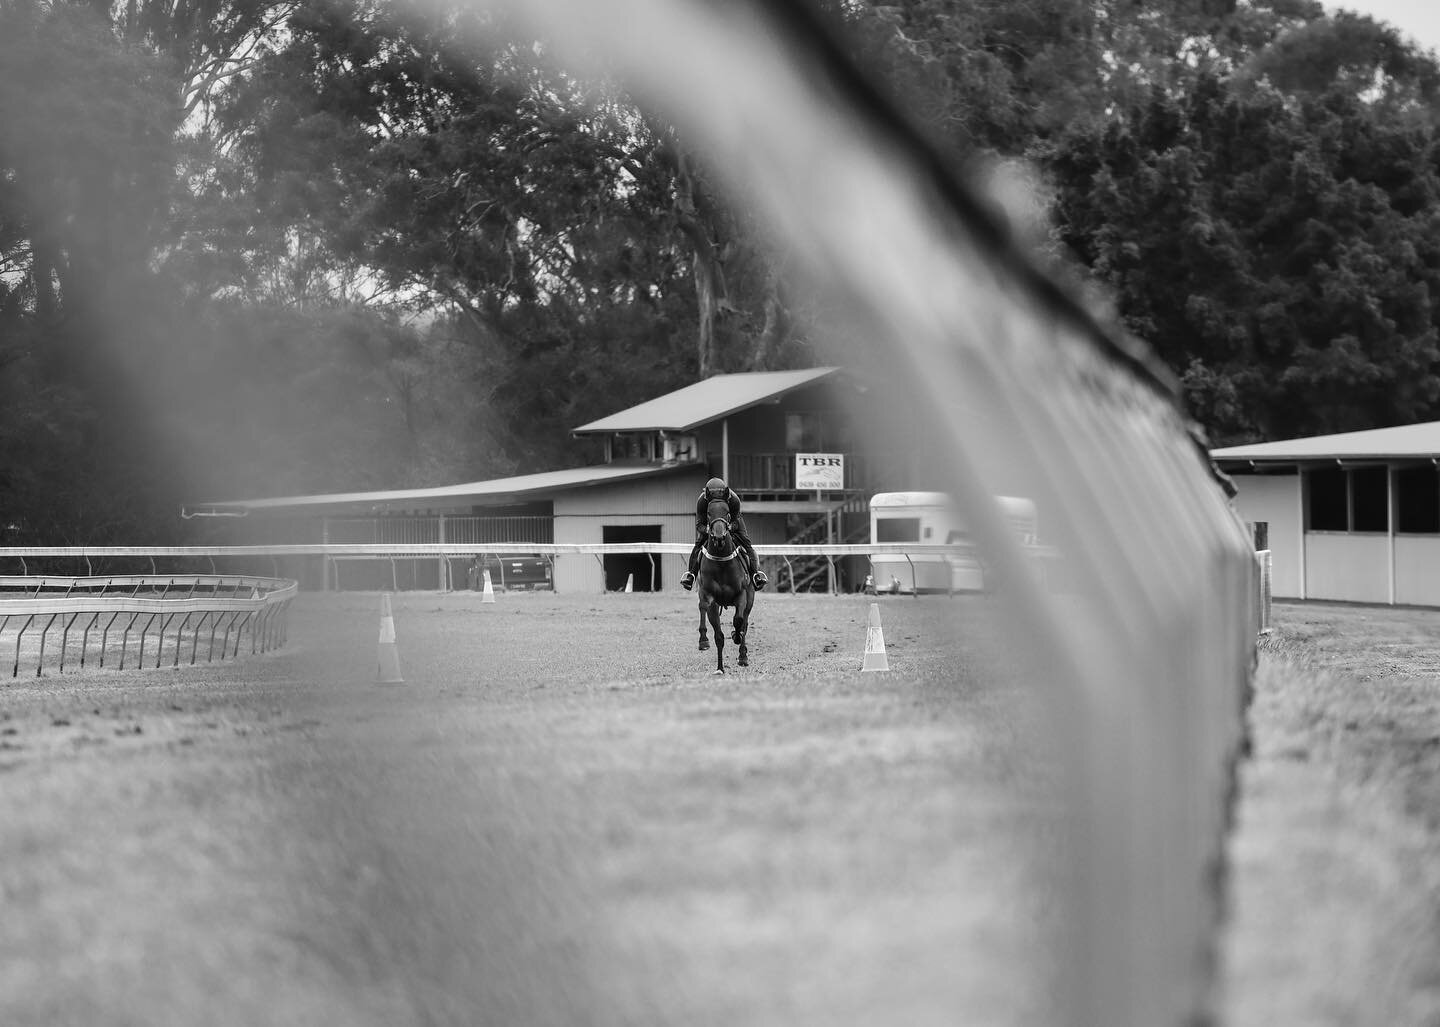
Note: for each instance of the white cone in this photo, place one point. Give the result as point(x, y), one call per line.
point(388, 671)
point(489, 596)
point(875, 658)
point(630, 583)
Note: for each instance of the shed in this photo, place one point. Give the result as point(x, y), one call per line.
point(760, 431)
point(1353, 516)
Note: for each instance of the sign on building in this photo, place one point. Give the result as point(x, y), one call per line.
point(820, 471)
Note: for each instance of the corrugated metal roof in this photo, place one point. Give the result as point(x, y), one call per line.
point(521, 487)
point(1404, 441)
point(716, 397)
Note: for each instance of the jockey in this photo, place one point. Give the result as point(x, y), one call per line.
point(714, 489)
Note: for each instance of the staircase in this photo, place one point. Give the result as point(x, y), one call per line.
point(812, 573)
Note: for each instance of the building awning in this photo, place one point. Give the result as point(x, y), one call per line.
point(495, 492)
point(1404, 442)
point(699, 404)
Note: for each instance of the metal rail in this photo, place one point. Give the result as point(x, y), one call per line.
point(381, 550)
point(334, 554)
point(95, 618)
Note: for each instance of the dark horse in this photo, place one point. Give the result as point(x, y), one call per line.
point(724, 580)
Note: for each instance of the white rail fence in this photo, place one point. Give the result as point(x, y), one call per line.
point(155, 619)
point(1044, 559)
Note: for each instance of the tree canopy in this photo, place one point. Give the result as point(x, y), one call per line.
point(255, 247)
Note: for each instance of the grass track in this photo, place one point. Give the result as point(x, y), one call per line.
point(560, 817)
point(1335, 872)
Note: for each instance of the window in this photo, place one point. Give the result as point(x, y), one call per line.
point(803, 432)
point(1417, 500)
point(1358, 499)
point(1327, 500)
point(1370, 499)
point(632, 448)
point(897, 529)
point(680, 449)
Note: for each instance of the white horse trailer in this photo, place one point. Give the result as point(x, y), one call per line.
point(932, 518)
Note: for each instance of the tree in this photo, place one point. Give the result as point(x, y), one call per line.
point(465, 175)
point(1278, 251)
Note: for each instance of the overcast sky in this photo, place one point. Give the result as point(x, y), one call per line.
point(1419, 19)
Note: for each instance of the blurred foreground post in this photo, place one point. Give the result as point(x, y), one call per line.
point(1144, 653)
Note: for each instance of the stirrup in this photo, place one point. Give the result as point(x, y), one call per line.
point(759, 580)
point(687, 581)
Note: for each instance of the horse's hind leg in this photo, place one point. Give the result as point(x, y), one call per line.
point(741, 623)
point(704, 641)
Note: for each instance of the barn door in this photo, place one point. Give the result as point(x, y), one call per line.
point(620, 566)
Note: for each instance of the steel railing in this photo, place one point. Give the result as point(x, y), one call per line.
point(88, 620)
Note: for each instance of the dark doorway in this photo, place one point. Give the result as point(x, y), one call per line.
point(619, 567)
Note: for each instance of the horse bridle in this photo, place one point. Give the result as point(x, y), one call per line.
point(710, 535)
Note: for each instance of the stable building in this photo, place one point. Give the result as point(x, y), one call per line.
point(1352, 516)
point(786, 441)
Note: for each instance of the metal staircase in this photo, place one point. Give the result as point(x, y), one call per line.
point(812, 573)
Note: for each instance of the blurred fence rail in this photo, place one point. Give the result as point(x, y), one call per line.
point(1025, 392)
point(1047, 562)
point(132, 621)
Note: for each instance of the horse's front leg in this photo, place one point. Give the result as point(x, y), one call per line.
point(741, 623)
point(704, 612)
point(719, 638)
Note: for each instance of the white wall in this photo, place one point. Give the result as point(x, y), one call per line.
point(1338, 565)
point(1417, 570)
point(580, 516)
point(1350, 567)
point(1275, 498)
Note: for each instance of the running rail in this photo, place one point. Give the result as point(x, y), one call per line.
point(399, 550)
point(85, 620)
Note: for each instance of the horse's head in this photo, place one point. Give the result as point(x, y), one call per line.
point(717, 515)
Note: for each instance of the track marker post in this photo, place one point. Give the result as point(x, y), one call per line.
point(388, 669)
point(489, 594)
point(630, 583)
point(875, 658)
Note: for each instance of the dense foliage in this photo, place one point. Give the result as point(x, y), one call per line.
point(253, 247)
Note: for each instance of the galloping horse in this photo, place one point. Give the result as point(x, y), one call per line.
point(724, 580)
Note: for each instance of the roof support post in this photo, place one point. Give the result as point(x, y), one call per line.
point(1302, 492)
point(725, 450)
point(1391, 509)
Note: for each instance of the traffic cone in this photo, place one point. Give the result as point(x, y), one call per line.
point(875, 658)
point(489, 596)
point(630, 583)
point(388, 672)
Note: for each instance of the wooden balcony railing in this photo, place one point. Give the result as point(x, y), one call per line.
point(775, 472)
